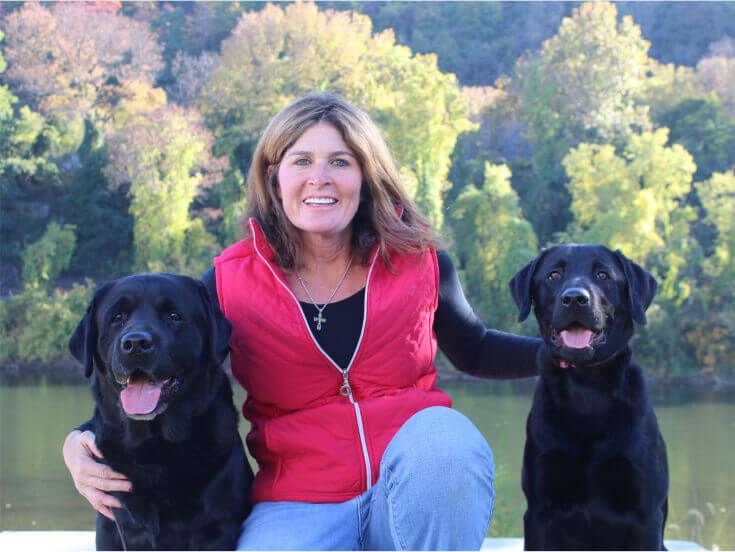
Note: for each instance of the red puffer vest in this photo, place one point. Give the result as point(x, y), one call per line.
point(319, 433)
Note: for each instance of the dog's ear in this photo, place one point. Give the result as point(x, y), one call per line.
point(641, 287)
point(83, 342)
point(520, 287)
point(220, 328)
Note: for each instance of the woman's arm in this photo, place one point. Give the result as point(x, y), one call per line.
point(466, 342)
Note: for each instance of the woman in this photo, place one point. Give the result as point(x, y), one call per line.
point(338, 298)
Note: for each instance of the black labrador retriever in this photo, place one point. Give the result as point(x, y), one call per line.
point(595, 472)
point(164, 414)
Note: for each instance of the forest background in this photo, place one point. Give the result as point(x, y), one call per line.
point(126, 131)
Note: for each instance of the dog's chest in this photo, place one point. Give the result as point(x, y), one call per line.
point(611, 482)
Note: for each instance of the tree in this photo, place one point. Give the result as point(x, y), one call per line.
point(190, 75)
point(100, 213)
point(477, 41)
point(705, 130)
point(46, 259)
point(164, 156)
point(713, 320)
point(718, 199)
point(667, 85)
point(581, 86)
point(636, 202)
point(29, 180)
point(35, 324)
point(492, 242)
point(72, 57)
point(716, 72)
point(590, 72)
point(633, 202)
point(422, 112)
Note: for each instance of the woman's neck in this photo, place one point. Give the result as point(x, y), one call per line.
point(324, 253)
point(327, 269)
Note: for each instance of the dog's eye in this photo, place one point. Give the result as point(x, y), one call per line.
point(119, 317)
point(175, 316)
point(554, 275)
point(602, 275)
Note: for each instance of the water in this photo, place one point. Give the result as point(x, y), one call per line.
point(36, 492)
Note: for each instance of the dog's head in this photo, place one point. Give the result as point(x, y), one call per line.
point(586, 298)
point(150, 338)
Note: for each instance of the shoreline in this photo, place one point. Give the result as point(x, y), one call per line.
point(696, 381)
point(69, 372)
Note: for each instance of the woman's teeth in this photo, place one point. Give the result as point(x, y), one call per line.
point(320, 200)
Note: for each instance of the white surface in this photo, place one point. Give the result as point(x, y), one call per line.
point(68, 541)
point(61, 541)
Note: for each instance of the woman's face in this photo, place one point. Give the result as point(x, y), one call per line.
point(319, 182)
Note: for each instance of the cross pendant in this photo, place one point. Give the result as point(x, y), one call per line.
point(318, 319)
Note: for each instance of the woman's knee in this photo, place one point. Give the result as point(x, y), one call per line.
point(441, 444)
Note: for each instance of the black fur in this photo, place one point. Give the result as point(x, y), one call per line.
point(595, 471)
point(186, 461)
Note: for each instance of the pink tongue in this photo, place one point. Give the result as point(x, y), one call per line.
point(577, 338)
point(140, 397)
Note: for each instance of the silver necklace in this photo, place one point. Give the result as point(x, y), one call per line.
point(319, 319)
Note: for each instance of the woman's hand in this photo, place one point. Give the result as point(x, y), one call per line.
point(92, 479)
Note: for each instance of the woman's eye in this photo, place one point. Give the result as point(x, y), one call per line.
point(554, 275)
point(340, 162)
point(301, 161)
point(602, 275)
point(175, 316)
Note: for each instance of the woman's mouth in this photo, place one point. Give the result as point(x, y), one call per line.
point(320, 201)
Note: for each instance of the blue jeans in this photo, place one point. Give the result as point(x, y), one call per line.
point(435, 492)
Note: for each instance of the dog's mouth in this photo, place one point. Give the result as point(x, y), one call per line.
point(143, 397)
point(577, 336)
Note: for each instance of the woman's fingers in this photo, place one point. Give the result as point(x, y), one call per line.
point(102, 502)
point(106, 512)
point(87, 440)
point(103, 471)
point(100, 477)
point(107, 484)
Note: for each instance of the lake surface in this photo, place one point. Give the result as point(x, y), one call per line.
point(36, 492)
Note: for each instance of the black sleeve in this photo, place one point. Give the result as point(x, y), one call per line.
point(86, 426)
point(466, 342)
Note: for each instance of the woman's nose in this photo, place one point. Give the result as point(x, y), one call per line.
point(319, 173)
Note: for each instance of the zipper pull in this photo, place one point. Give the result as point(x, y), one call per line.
point(345, 390)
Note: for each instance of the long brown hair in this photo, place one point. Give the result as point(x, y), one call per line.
point(377, 219)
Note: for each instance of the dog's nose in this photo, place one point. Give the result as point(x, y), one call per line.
point(136, 341)
point(573, 297)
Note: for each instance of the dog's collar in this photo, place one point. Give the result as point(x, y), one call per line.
point(561, 363)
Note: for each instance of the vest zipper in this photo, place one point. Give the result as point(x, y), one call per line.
point(345, 390)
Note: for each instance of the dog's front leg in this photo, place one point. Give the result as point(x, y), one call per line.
point(107, 537)
point(530, 537)
point(648, 535)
